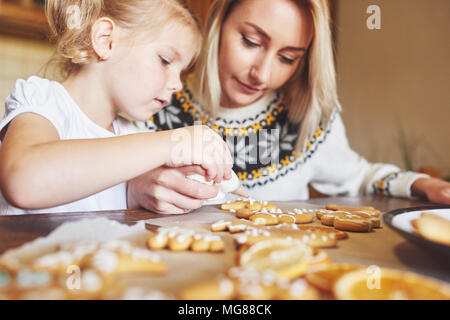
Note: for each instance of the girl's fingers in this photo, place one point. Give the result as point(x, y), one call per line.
point(220, 171)
point(212, 171)
point(193, 169)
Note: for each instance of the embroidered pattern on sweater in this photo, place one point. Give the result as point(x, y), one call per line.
point(263, 146)
point(383, 185)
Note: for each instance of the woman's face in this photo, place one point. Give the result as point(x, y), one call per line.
point(262, 43)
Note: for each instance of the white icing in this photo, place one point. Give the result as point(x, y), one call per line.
point(144, 254)
point(198, 236)
point(81, 251)
point(55, 259)
point(182, 237)
point(118, 245)
point(90, 281)
point(253, 290)
point(172, 234)
point(143, 294)
point(226, 286)
point(221, 223)
point(161, 237)
point(237, 227)
point(105, 261)
point(298, 288)
point(269, 277)
point(211, 237)
point(260, 221)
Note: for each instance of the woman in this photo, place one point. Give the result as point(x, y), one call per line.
point(266, 82)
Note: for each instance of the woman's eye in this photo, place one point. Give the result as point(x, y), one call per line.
point(287, 60)
point(249, 43)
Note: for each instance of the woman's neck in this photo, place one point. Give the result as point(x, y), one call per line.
point(88, 91)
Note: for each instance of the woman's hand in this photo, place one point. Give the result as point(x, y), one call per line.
point(435, 190)
point(168, 190)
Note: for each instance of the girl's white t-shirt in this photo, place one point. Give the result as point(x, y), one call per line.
point(51, 100)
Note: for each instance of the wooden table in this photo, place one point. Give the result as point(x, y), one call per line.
point(383, 247)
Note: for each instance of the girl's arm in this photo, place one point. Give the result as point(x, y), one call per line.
point(37, 170)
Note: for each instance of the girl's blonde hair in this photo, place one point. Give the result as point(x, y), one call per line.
point(71, 22)
point(311, 92)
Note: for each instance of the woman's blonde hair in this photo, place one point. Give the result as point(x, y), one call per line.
point(71, 22)
point(311, 92)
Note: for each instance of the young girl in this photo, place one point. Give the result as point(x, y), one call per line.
point(266, 82)
point(64, 147)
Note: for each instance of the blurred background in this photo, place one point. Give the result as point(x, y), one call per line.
point(394, 83)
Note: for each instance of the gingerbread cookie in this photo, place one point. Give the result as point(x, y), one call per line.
point(433, 227)
point(234, 226)
point(176, 239)
point(250, 233)
point(221, 288)
point(265, 219)
point(268, 217)
point(369, 210)
point(325, 278)
point(244, 284)
point(110, 262)
point(337, 233)
point(315, 239)
point(389, 285)
point(298, 216)
point(249, 204)
point(349, 221)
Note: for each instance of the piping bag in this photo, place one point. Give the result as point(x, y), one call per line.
point(232, 186)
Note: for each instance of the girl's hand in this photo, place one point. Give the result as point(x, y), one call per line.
point(168, 190)
point(200, 145)
point(435, 190)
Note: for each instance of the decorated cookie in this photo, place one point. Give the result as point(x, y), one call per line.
point(176, 239)
point(368, 210)
point(315, 239)
point(244, 284)
point(249, 204)
point(349, 221)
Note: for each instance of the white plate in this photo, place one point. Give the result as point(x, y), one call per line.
point(400, 221)
point(403, 220)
